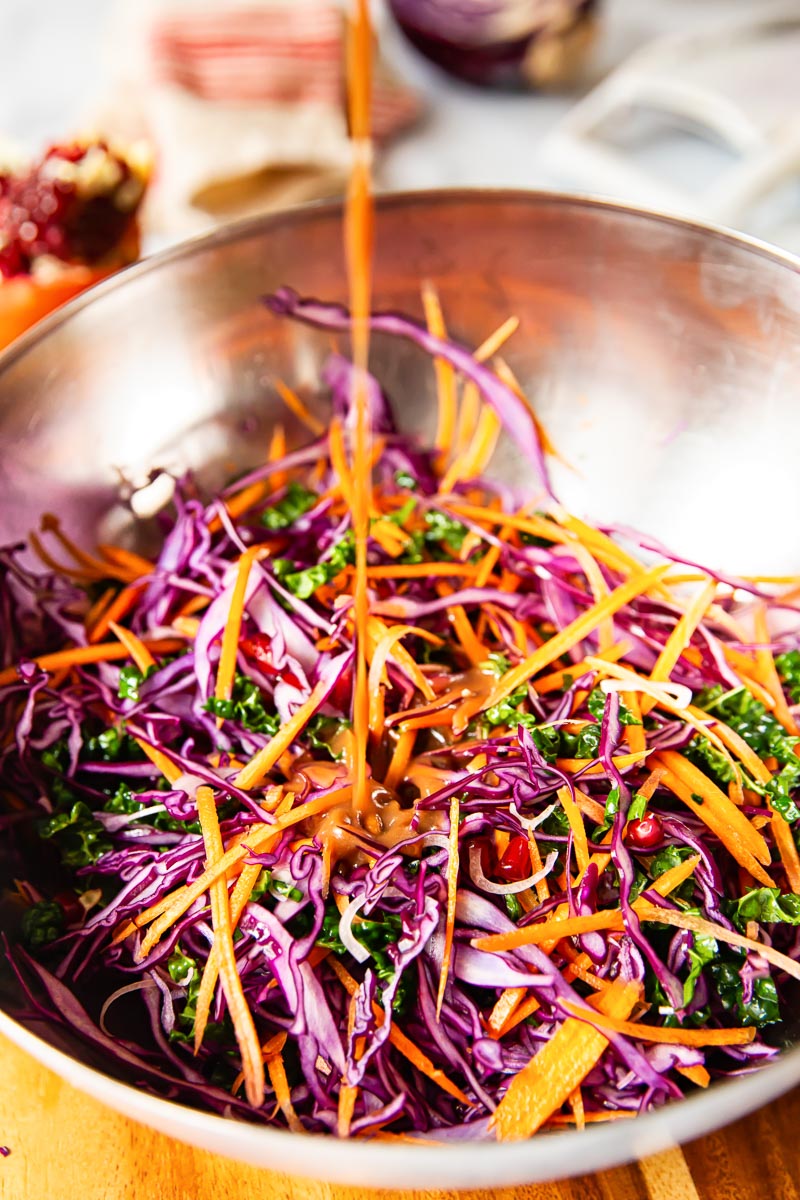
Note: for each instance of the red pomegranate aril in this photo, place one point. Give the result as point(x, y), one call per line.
point(516, 862)
point(644, 833)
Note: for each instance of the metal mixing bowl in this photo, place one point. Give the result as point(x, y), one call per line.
point(664, 360)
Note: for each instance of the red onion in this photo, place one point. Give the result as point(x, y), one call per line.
point(501, 43)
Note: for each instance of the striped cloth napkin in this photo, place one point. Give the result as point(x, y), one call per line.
point(243, 101)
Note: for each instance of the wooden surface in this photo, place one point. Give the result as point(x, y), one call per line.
point(65, 1146)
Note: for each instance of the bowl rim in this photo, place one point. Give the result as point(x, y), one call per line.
point(479, 1163)
point(244, 227)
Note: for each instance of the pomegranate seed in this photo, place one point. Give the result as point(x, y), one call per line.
point(516, 862)
point(644, 833)
point(44, 214)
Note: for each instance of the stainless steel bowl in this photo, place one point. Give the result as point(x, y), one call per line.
point(664, 360)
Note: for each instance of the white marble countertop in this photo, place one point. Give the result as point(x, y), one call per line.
point(50, 70)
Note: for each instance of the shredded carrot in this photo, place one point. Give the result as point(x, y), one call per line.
point(118, 609)
point(165, 912)
point(423, 570)
point(452, 893)
point(445, 374)
point(577, 826)
point(135, 646)
point(101, 604)
point(575, 632)
point(240, 896)
point(295, 405)
point(526, 1009)
point(127, 558)
point(682, 920)
point(542, 886)
point(280, 1085)
point(474, 649)
point(401, 756)
point(673, 1036)
point(697, 1075)
point(403, 1044)
point(339, 460)
point(238, 505)
point(681, 636)
point(767, 672)
point(575, 1101)
point(242, 1018)
point(717, 811)
point(226, 670)
point(551, 931)
point(256, 771)
point(505, 1006)
point(558, 1068)
point(494, 341)
point(77, 656)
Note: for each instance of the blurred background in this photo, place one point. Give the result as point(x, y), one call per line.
point(220, 108)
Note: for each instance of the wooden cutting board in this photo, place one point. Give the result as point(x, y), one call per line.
point(65, 1146)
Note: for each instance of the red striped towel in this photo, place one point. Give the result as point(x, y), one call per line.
point(245, 103)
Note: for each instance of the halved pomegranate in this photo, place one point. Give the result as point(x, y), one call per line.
point(66, 221)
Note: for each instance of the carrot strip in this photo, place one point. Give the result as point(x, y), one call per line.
point(696, 1074)
point(77, 656)
point(575, 1101)
point(505, 1006)
point(494, 341)
point(127, 558)
point(376, 630)
point(634, 734)
point(673, 1036)
point(767, 672)
point(558, 1068)
point(558, 927)
point(101, 604)
point(245, 882)
point(452, 892)
point(445, 374)
point(277, 452)
point(238, 505)
point(403, 1044)
point(226, 670)
point(256, 771)
point(680, 637)
point(681, 920)
point(474, 649)
point(377, 670)
point(165, 912)
point(575, 819)
point(242, 1018)
point(423, 570)
point(575, 632)
point(283, 1095)
point(526, 1009)
point(542, 886)
point(118, 609)
point(339, 461)
point(573, 765)
point(134, 645)
point(240, 897)
point(295, 405)
point(400, 757)
point(103, 570)
point(717, 811)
